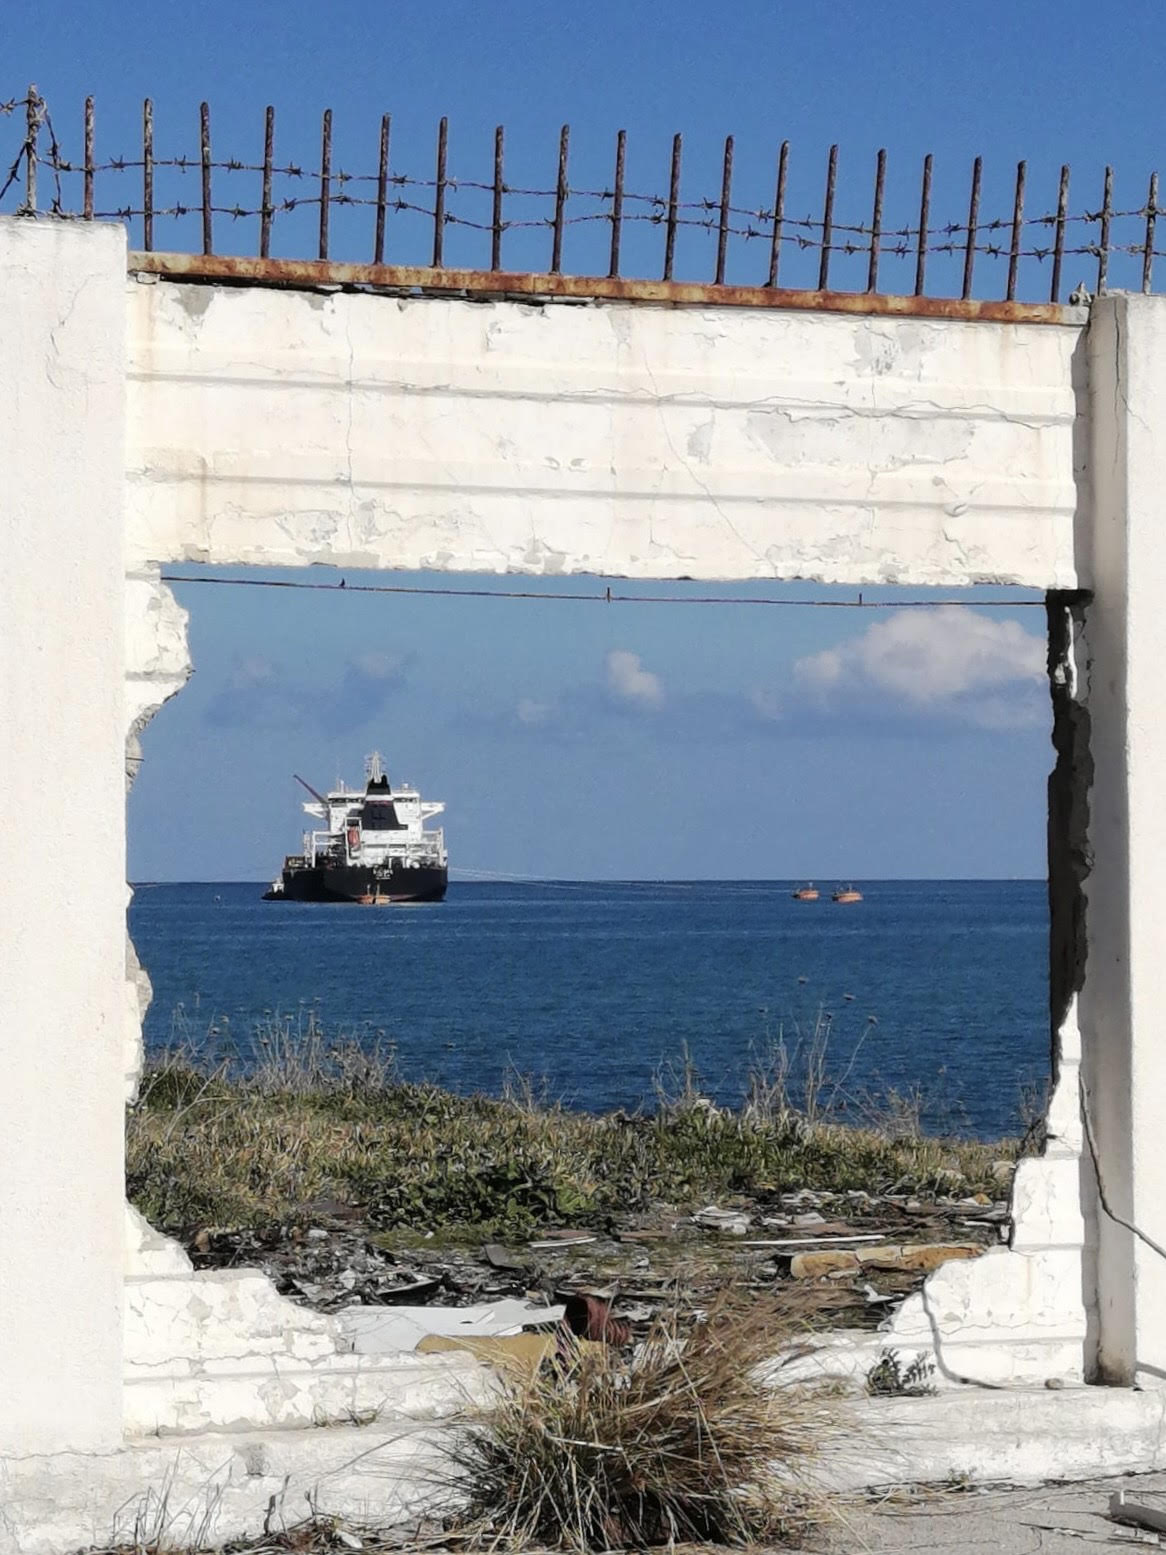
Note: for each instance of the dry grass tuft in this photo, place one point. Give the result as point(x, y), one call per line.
point(679, 1442)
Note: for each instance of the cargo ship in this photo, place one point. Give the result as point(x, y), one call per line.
point(373, 847)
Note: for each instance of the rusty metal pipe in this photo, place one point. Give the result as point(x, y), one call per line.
point(325, 179)
point(621, 141)
point(382, 190)
point(778, 214)
point(439, 194)
point(924, 219)
point(1059, 233)
point(560, 201)
point(876, 223)
point(673, 206)
point(828, 220)
point(204, 140)
point(1151, 223)
point(499, 190)
point(89, 139)
point(723, 224)
point(1017, 230)
point(32, 130)
point(1103, 241)
point(147, 174)
point(421, 280)
point(265, 211)
point(973, 223)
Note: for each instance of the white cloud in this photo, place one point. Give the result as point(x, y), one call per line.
point(530, 712)
point(377, 666)
point(253, 671)
point(931, 659)
point(628, 680)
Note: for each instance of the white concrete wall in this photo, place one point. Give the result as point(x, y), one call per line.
point(1123, 1002)
point(277, 428)
point(62, 991)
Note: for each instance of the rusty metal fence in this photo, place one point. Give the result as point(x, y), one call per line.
point(403, 221)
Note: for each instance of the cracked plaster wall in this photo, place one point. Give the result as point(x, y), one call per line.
point(279, 428)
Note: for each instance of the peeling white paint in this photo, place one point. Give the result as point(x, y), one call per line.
point(270, 427)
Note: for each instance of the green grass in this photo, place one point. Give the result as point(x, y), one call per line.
point(214, 1145)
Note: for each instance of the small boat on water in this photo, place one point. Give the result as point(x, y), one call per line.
point(846, 893)
point(806, 893)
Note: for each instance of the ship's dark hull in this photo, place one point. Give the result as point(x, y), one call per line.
point(360, 883)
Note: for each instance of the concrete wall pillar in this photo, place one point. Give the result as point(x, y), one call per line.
point(1123, 998)
point(62, 845)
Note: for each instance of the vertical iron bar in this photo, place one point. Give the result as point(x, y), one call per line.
point(32, 127)
point(1017, 231)
point(673, 203)
point(876, 223)
point(499, 190)
point(378, 252)
point(325, 179)
point(88, 207)
point(924, 218)
point(204, 114)
point(148, 175)
point(265, 198)
point(617, 201)
point(439, 194)
point(1103, 245)
point(828, 221)
point(1151, 223)
point(723, 227)
point(778, 214)
point(1059, 234)
point(560, 201)
point(973, 223)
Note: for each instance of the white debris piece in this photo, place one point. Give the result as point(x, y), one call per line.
point(382, 1330)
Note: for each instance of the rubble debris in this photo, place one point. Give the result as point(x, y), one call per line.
point(498, 1258)
point(551, 1240)
point(589, 1317)
point(730, 1222)
point(919, 1256)
point(636, 1262)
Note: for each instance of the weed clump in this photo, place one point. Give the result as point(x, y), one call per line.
point(683, 1440)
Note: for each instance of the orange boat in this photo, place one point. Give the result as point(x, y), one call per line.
point(806, 893)
point(847, 893)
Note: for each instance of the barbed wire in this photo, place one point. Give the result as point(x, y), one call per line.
point(1015, 238)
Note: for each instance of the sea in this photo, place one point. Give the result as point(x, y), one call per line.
point(928, 996)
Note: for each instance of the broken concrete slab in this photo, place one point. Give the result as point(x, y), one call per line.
point(385, 1330)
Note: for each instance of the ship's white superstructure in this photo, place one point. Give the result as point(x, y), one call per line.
point(375, 824)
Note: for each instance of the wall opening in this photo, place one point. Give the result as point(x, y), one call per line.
point(634, 792)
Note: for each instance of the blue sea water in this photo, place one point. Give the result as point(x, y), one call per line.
point(593, 988)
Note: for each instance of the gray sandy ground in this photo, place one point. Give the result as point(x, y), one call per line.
point(1055, 1520)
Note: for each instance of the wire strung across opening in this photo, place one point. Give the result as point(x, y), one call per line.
point(607, 597)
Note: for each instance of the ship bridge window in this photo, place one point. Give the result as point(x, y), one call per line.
point(381, 817)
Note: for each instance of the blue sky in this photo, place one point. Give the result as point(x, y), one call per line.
point(578, 739)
